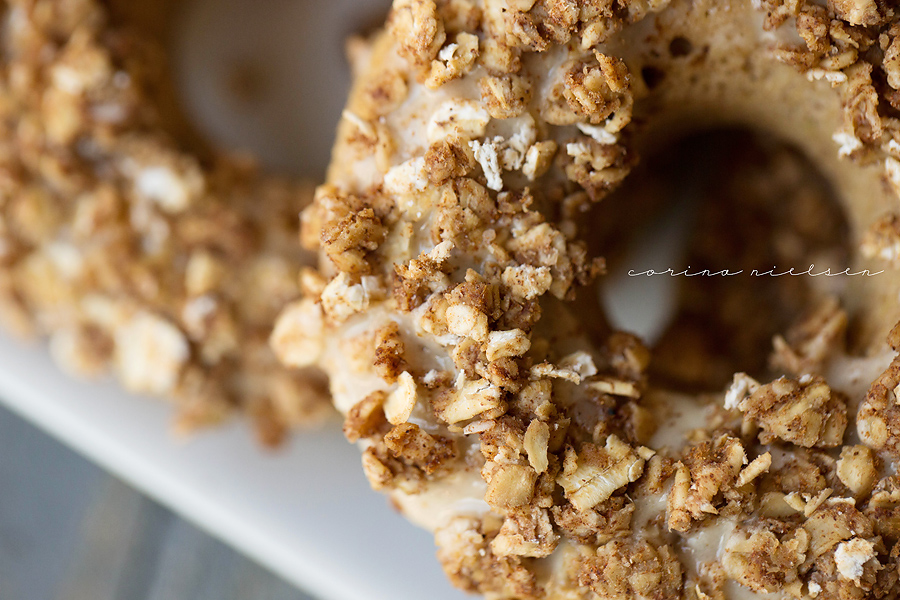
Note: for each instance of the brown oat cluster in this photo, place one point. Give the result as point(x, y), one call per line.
point(489, 395)
point(134, 249)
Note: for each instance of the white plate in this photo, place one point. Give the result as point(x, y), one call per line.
point(306, 512)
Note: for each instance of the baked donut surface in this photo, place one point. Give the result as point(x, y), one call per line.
point(491, 398)
point(127, 240)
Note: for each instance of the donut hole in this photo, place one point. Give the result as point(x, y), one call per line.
point(728, 211)
point(257, 78)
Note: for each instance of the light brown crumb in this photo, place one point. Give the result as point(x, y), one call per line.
point(804, 412)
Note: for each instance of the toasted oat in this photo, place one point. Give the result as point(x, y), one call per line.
point(615, 387)
point(857, 469)
point(472, 399)
point(505, 97)
point(538, 159)
point(504, 344)
point(150, 353)
point(856, 12)
point(526, 281)
point(511, 486)
point(463, 119)
point(537, 438)
point(400, 403)
point(575, 367)
point(467, 321)
point(757, 467)
point(593, 476)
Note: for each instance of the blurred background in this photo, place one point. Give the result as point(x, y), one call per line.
point(270, 82)
point(71, 531)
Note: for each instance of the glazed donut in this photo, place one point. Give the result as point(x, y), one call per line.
point(476, 162)
point(128, 241)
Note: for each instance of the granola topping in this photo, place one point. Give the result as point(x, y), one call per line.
point(457, 300)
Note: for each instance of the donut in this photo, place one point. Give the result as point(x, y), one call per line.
point(126, 239)
point(552, 454)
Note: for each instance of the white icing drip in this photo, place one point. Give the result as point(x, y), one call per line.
point(853, 375)
point(459, 494)
point(677, 415)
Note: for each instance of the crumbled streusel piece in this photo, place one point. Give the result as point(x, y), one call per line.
point(707, 468)
point(805, 412)
point(763, 562)
point(631, 570)
point(505, 97)
point(851, 556)
point(882, 239)
point(526, 533)
point(418, 29)
point(811, 342)
point(427, 452)
point(366, 417)
point(453, 61)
